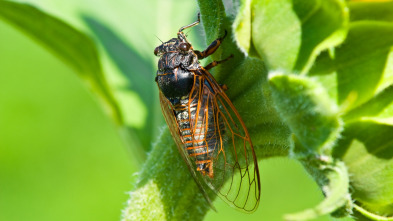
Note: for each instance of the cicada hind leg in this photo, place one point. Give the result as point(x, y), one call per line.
point(205, 167)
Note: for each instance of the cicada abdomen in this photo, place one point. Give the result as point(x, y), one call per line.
point(209, 132)
point(199, 127)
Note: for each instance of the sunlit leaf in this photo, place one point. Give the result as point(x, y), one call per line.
point(306, 108)
point(288, 34)
point(367, 150)
point(361, 75)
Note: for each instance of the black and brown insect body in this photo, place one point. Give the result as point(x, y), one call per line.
point(208, 131)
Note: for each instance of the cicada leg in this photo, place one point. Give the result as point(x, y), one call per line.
point(224, 87)
point(211, 175)
point(212, 47)
point(215, 63)
point(207, 165)
point(191, 25)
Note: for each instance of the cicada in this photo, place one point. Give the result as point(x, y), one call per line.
point(208, 131)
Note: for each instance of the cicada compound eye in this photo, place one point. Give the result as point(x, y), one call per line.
point(184, 46)
point(156, 51)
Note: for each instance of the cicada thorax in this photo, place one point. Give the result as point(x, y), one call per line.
point(174, 78)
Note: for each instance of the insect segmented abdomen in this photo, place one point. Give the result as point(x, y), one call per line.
point(198, 131)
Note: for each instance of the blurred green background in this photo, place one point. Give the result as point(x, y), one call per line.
point(62, 158)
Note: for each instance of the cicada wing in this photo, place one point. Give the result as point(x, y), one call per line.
point(169, 115)
point(236, 175)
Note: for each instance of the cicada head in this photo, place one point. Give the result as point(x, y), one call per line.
point(179, 44)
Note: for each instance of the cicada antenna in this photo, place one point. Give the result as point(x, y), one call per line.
point(159, 38)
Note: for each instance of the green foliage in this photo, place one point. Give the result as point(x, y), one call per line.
point(306, 108)
point(60, 155)
point(312, 80)
point(73, 47)
point(298, 35)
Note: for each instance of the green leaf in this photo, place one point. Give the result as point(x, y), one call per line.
point(287, 34)
point(258, 116)
point(138, 72)
point(362, 75)
point(69, 44)
point(359, 78)
point(307, 110)
point(367, 150)
point(242, 27)
point(371, 10)
point(324, 64)
point(372, 107)
point(212, 16)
